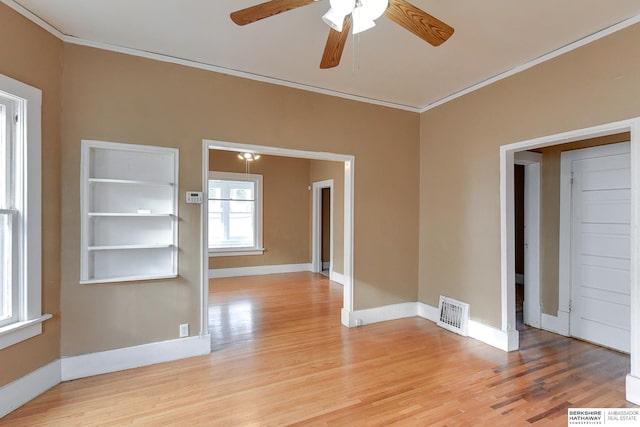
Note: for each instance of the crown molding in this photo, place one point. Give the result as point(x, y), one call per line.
point(539, 60)
point(34, 18)
point(257, 77)
point(229, 71)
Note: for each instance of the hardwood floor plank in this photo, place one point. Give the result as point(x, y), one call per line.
point(281, 357)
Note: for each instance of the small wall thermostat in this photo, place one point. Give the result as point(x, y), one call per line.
point(194, 197)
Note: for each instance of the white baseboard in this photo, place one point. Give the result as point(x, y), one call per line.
point(22, 390)
point(379, 314)
point(87, 365)
point(326, 265)
point(428, 312)
point(219, 273)
point(558, 324)
point(506, 341)
point(633, 389)
point(337, 277)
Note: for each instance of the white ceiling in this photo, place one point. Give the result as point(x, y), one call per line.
point(388, 65)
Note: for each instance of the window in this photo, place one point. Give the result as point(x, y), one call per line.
point(20, 199)
point(235, 214)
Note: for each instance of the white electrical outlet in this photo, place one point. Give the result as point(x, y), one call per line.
point(184, 330)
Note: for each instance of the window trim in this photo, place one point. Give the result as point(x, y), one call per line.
point(29, 105)
point(257, 248)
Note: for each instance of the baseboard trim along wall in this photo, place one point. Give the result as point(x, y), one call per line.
point(337, 277)
point(633, 389)
point(219, 273)
point(103, 362)
point(24, 389)
point(381, 314)
point(506, 341)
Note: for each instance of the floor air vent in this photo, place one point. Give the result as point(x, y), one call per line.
point(454, 315)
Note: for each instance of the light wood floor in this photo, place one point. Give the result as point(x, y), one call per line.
point(281, 358)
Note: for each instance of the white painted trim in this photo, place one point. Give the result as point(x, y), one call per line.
point(507, 241)
point(547, 57)
point(503, 340)
point(349, 176)
point(633, 389)
point(218, 69)
point(428, 312)
point(103, 362)
point(532, 176)
point(257, 180)
point(28, 387)
point(558, 324)
point(507, 235)
point(316, 224)
point(13, 333)
point(336, 277)
point(478, 331)
point(231, 72)
point(381, 314)
point(34, 18)
point(204, 245)
point(28, 107)
point(258, 270)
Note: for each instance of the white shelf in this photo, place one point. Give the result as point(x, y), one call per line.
point(127, 279)
point(129, 182)
point(119, 242)
point(125, 214)
point(121, 247)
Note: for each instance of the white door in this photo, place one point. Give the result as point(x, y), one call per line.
point(600, 247)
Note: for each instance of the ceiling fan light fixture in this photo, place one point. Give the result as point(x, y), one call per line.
point(361, 22)
point(338, 12)
point(373, 9)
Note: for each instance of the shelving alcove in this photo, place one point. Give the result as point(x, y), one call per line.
point(129, 205)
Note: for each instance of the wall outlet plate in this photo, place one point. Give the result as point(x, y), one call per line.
point(184, 330)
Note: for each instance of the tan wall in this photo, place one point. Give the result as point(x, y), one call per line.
point(459, 158)
point(550, 216)
point(121, 98)
point(286, 199)
point(33, 56)
point(323, 170)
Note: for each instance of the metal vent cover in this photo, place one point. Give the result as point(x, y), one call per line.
point(453, 315)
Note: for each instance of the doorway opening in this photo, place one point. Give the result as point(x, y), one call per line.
point(347, 228)
point(323, 226)
point(507, 227)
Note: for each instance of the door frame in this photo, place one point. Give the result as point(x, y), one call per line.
point(316, 221)
point(565, 235)
point(531, 162)
point(507, 235)
point(349, 175)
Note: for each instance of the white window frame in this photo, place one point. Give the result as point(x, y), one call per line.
point(257, 248)
point(27, 104)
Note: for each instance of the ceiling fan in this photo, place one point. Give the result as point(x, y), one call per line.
point(358, 14)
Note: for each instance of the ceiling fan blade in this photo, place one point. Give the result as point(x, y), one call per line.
point(265, 10)
point(335, 45)
point(419, 22)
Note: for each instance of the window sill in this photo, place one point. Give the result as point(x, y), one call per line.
point(235, 252)
point(20, 331)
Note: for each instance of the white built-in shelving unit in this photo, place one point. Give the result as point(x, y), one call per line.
point(129, 203)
